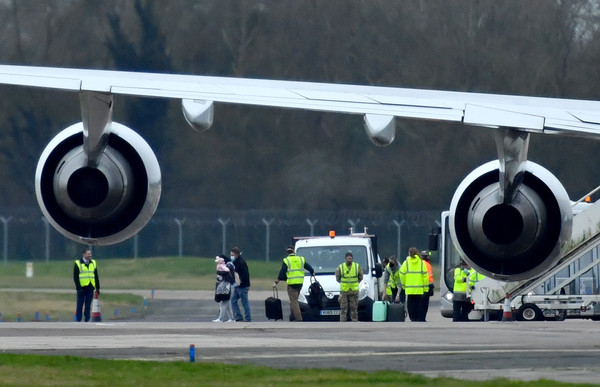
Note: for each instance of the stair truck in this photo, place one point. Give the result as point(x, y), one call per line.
point(571, 289)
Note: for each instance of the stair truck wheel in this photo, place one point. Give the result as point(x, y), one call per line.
point(529, 312)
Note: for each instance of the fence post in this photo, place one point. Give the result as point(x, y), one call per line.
point(268, 238)
point(399, 226)
point(5, 240)
point(180, 223)
point(312, 225)
point(223, 233)
point(353, 224)
point(47, 233)
point(135, 245)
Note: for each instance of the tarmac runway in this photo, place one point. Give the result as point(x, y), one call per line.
point(564, 351)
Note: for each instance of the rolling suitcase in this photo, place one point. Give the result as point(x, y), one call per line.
point(273, 306)
point(395, 312)
point(380, 311)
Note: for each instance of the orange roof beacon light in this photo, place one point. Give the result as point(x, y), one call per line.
point(588, 199)
point(332, 234)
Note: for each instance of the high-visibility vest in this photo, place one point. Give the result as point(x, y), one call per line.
point(414, 277)
point(388, 287)
point(474, 277)
point(460, 284)
point(295, 269)
point(394, 277)
point(349, 277)
point(86, 273)
point(429, 271)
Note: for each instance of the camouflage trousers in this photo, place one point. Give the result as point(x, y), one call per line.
point(347, 300)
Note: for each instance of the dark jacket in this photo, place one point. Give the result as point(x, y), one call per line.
point(241, 267)
point(223, 276)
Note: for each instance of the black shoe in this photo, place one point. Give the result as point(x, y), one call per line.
point(239, 319)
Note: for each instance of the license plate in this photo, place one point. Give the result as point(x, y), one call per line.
point(330, 312)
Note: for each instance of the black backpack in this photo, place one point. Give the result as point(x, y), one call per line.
point(316, 294)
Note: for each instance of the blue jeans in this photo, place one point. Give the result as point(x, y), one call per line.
point(240, 294)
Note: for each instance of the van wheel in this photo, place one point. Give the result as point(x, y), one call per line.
point(529, 312)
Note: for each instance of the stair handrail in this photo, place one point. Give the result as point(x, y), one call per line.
point(586, 195)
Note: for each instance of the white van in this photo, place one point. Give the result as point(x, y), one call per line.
point(325, 254)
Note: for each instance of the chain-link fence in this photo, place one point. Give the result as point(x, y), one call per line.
point(260, 234)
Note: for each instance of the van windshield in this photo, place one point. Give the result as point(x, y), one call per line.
point(325, 259)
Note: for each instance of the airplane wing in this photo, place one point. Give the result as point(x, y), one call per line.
point(98, 182)
point(531, 114)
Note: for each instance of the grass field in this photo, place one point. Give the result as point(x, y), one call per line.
point(36, 305)
point(172, 273)
point(167, 273)
point(30, 370)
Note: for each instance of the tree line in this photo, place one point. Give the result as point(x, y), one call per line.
point(260, 158)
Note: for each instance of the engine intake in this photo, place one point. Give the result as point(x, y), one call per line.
point(516, 240)
point(99, 205)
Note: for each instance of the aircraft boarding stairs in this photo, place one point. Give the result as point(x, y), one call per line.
point(573, 284)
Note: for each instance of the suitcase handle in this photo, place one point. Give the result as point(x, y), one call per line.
point(275, 292)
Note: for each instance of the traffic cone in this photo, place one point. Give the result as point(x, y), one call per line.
point(507, 310)
point(96, 316)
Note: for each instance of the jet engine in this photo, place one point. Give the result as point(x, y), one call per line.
point(104, 203)
point(510, 239)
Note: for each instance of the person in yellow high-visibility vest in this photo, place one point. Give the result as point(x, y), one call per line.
point(425, 255)
point(461, 303)
point(391, 281)
point(292, 270)
point(386, 293)
point(415, 281)
point(85, 276)
point(474, 277)
point(349, 274)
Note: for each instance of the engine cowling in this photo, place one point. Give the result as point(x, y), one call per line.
point(99, 205)
point(512, 241)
